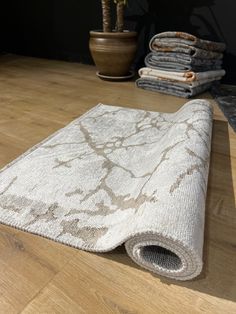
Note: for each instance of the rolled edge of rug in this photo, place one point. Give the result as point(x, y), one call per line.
point(164, 256)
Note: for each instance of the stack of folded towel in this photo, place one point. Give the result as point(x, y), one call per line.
point(181, 64)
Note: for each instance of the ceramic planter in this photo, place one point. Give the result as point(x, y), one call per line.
point(113, 52)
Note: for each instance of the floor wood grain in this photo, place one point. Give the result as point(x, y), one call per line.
point(37, 97)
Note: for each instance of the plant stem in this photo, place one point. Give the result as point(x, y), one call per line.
point(106, 15)
point(120, 16)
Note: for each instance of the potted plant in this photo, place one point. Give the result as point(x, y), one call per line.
point(113, 50)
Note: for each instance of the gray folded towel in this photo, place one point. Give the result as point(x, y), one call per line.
point(171, 61)
point(181, 64)
point(180, 38)
point(179, 89)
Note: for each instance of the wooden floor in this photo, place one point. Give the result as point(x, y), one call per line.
point(37, 275)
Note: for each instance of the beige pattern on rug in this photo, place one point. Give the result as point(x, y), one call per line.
point(118, 175)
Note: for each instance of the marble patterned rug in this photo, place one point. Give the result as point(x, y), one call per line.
point(117, 175)
point(225, 97)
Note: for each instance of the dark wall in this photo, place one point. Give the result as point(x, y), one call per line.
point(50, 28)
point(60, 28)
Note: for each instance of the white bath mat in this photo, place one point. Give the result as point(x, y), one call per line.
point(119, 175)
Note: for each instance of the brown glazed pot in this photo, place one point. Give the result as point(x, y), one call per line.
point(113, 53)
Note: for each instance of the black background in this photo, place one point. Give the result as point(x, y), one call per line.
point(59, 29)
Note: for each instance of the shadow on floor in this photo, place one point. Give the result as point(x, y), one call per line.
point(218, 275)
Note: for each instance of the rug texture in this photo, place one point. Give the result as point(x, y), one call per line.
point(188, 76)
point(180, 62)
point(225, 97)
point(179, 48)
point(180, 89)
point(118, 175)
point(182, 84)
point(180, 38)
point(177, 58)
